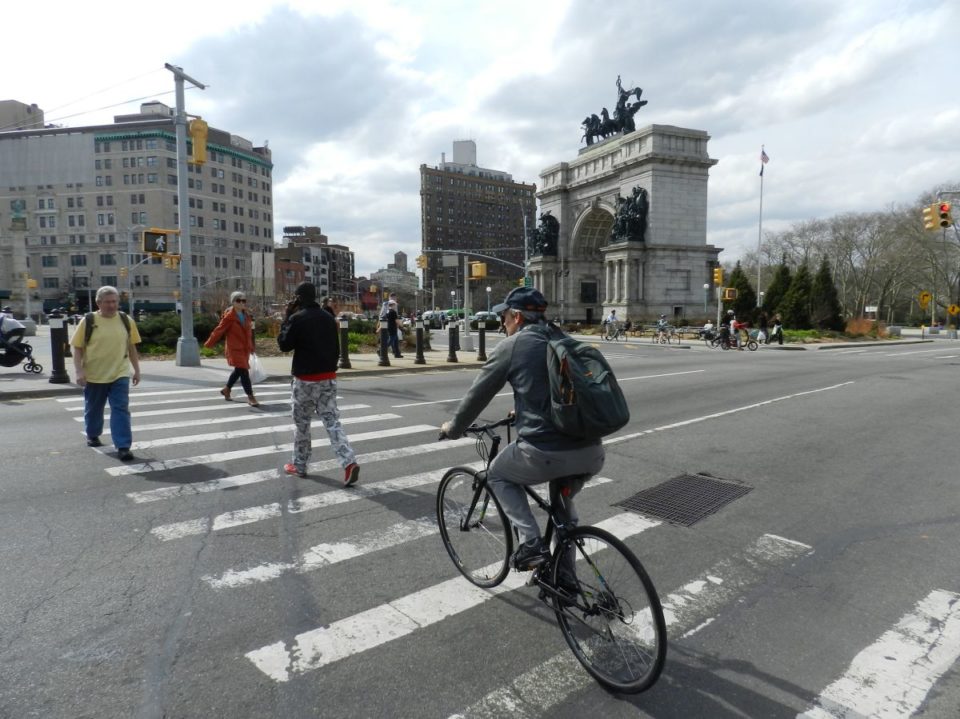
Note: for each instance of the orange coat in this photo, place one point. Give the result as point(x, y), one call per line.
point(239, 338)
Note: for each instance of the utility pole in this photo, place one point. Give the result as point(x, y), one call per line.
point(188, 350)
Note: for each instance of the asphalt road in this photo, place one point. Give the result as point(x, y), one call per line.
point(197, 583)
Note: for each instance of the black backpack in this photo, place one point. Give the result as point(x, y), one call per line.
point(586, 401)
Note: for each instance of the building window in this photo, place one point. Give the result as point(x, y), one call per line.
point(108, 259)
point(51, 283)
point(48, 260)
point(78, 260)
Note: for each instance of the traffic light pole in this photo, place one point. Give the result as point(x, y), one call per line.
point(188, 351)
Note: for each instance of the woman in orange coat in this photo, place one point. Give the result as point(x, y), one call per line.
point(236, 326)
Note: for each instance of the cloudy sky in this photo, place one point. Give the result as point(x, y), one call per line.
point(856, 101)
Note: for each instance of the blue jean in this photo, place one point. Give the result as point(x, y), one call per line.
point(95, 397)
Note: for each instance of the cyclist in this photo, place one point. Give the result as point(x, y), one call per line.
point(612, 324)
point(540, 452)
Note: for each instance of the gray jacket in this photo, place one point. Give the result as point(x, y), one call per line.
point(521, 360)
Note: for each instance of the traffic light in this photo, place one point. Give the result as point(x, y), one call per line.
point(422, 262)
point(123, 271)
point(729, 294)
point(198, 136)
point(156, 241)
point(944, 218)
point(717, 276)
point(171, 262)
point(522, 282)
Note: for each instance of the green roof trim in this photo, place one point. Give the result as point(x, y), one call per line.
point(139, 134)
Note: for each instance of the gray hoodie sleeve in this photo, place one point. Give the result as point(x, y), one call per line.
point(493, 376)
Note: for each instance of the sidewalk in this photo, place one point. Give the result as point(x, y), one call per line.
point(17, 384)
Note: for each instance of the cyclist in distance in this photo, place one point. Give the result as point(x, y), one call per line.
point(540, 453)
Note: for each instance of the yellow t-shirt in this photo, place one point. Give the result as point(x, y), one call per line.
point(107, 358)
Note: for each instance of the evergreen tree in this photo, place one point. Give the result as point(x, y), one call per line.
point(746, 303)
point(777, 289)
point(795, 308)
point(825, 313)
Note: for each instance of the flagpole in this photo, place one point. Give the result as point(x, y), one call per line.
point(760, 225)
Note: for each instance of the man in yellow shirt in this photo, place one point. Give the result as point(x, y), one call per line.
point(102, 365)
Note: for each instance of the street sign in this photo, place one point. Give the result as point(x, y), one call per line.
point(925, 298)
point(528, 282)
point(953, 309)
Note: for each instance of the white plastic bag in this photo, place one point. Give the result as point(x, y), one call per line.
point(257, 372)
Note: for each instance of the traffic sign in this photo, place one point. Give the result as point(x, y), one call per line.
point(925, 298)
point(953, 309)
point(528, 282)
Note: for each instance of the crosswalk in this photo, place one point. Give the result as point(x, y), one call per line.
point(889, 673)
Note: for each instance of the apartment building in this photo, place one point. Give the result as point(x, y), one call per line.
point(469, 208)
point(73, 202)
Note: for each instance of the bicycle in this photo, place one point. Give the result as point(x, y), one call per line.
point(664, 335)
point(612, 334)
point(612, 620)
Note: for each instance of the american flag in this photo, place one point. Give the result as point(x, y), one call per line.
point(764, 159)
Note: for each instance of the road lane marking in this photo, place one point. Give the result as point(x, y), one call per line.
point(318, 647)
point(236, 433)
point(655, 376)
point(704, 418)
point(442, 401)
point(687, 610)
point(167, 392)
point(893, 676)
point(309, 503)
point(221, 420)
point(206, 459)
point(187, 400)
point(240, 480)
point(327, 553)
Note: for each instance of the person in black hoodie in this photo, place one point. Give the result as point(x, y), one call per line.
point(310, 332)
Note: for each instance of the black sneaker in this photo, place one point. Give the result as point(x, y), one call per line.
point(530, 556)
point(94, 442)
point(124, 454)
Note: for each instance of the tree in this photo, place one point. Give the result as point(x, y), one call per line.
point(746, 303)
point(825, 313)
point(778, 288)
point(795, 307)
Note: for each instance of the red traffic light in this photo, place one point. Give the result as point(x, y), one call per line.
point(943, 211)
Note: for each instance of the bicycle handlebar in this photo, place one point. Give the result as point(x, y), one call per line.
point(479, 429)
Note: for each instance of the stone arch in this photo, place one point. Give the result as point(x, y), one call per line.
point(591, 231)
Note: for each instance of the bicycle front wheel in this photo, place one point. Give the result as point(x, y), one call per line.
point(616, 628)
point(474, 528)
point(752, 345)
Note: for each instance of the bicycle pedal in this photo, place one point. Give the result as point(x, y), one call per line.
point(533, 578)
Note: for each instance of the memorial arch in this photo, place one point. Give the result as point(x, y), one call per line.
point(592, 270)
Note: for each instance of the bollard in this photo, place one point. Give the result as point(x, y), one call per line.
point(419, 359)
point(453, 341)
point(58, 338)
point(482, 343)
point(384, 345)
point(344, 343)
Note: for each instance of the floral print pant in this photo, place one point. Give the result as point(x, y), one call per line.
point(319, 398)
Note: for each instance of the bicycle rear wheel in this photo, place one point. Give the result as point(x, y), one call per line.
point(752, 345)
point(474, 528)
point(616, 629)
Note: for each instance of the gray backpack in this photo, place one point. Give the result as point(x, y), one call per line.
point(586, 401)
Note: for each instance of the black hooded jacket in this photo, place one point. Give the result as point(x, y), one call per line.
point(311, 334)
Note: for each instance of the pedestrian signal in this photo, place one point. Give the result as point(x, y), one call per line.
point(156, 241)
point(729, 294)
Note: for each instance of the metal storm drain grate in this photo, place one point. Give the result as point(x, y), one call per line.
point(685, 499)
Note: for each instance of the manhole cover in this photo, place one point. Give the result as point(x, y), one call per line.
point(685, 499)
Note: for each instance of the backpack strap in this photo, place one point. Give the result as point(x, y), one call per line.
point(90, 326)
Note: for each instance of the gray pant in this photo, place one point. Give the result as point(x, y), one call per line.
point(320, 398)
point(520, 463)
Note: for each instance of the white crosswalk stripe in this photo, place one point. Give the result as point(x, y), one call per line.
point(181, 400)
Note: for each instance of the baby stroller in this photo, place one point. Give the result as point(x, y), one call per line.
point(13, 353)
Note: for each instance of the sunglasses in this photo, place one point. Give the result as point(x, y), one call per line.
point(244, 301)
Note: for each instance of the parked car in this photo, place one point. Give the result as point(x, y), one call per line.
point(432, 320)
point(490, 321)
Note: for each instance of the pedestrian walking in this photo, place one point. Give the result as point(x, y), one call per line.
point(392, 336)
point(236, 328)
point(311, 334)
point(327, 304)
point(104, 349)
point(762, 325)
point(777, 329)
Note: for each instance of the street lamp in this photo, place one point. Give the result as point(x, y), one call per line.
point(488, 299)
point(706, 294)
point(760, 299)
